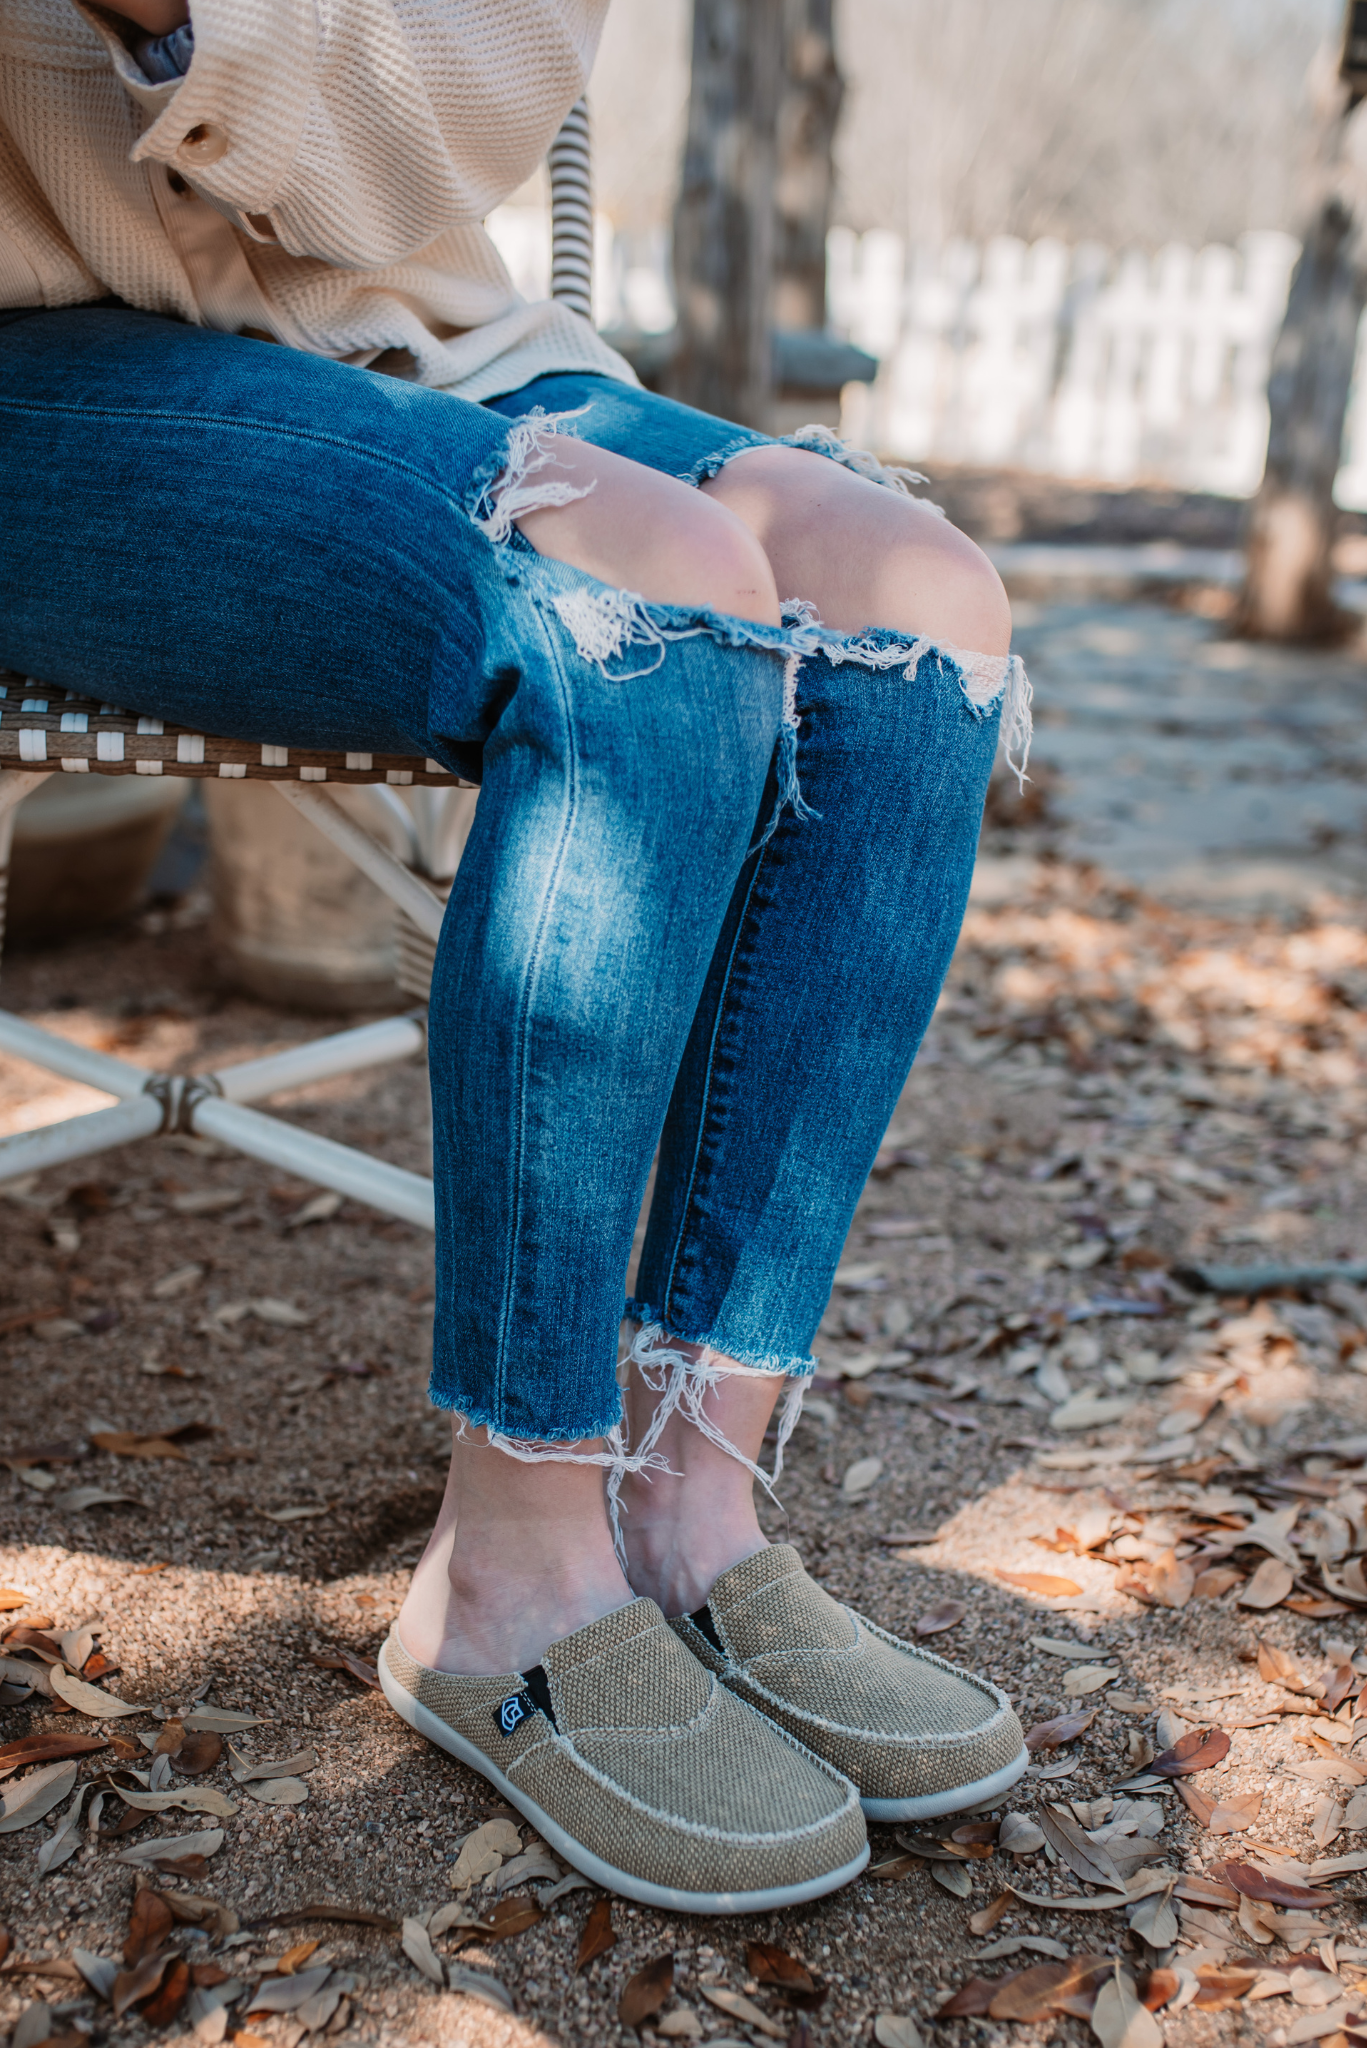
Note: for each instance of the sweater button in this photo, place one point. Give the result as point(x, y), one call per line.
point(203, 145)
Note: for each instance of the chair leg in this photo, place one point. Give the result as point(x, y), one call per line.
point(15, 785)
point(398, 882)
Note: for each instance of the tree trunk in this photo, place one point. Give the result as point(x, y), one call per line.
point(724, 224)
point(809, 108)
point(1288, 592)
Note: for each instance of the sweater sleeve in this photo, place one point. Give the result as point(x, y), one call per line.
point(358, 131)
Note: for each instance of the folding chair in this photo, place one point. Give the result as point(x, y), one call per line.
point(45, 732)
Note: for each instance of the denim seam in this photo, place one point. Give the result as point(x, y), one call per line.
point(533, 971)
point(270, 428)
point(707, 1090)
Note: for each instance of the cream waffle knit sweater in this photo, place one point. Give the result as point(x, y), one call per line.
point(318, 178)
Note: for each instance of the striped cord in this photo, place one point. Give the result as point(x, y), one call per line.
point(572, 214)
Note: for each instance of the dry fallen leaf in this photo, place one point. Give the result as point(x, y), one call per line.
point(948, 1614)
point(953, 1877)
point(88, 1699)
point(983, 1922)
point(1165, 1581)
point(11, 1597)
point(598, 1935)
point(1274, 1891)
point(132, 1985)
point(738, 2007)
point(32, 1798)
point(1120, 2019)
point(1269, 1585)
point(1043, 1583)
point(971, 2000)
point(895, 2030)
point(1064, 1728)
point(149, 1923)
point(1196, 1751)
point(198, 1753)
point(346, 1660)
point(1086, 1859)
point(1085, 1678)
point(1048, 1988)
point(1019, 1835)
point(864, 1473)
point(1232, 1815)
point(43, 1749)
point(784, 1974)
point(646, 1992)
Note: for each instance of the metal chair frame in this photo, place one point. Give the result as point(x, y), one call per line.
point(45, 732)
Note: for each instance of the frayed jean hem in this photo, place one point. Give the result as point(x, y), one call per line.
point(773, 1364)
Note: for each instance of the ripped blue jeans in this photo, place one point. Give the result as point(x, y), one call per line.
point(717, 869)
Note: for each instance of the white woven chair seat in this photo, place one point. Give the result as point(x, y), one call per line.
point(57, 730)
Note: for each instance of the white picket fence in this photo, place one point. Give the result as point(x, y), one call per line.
point(1123, 368)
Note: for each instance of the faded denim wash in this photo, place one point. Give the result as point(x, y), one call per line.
point(717, 870)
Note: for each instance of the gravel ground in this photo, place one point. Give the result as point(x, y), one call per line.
point(1110, 1088)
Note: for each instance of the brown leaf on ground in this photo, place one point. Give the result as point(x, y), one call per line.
point(287, 1964)
point(784, 1975)
point(1219, 1988)
point(1166, 1581)
point(1064, 1728)
point(1156, 1987)
point(346, 1916)
point(1269, 1585)
point(149, 1923)
point(893, 1867)
point(984, 1922)
point(1231, 1816)
point(1197, 1751)
point(1316, 1610)
point(644, 1994)
point(972, 2000)
point(1196, 1803)
point(598, 1936)
point(1086, 1859)
point(948, 1614)
point(170, 1738)
point(346, 1660)
point(127, 1443)
point(1048, 1988)
point(1279, 1669)
point(976, 1831)
point(198, 1753)
point(1118, 2017)
point(1043, 1583)
point(1215, 1580)
point(166, 2002)
point(204, 1976)
point(45, 1749)
point(131, 1986)
point(1272, 1891)
point(10, 1598)
point(1339, 1681)
point(512, 1916)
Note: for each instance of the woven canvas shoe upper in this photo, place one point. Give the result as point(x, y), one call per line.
point(901, 1723)
point(651, 1765)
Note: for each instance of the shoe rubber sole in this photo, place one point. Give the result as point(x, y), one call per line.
point(931, 1805)
point(424, 1722)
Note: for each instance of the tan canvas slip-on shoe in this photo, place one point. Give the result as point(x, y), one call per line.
point(642, 1771)
point(917, 1736)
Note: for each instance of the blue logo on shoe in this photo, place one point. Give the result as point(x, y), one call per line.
point(513, 1712)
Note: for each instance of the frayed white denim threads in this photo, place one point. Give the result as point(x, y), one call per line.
point(615, 1459)
point(603, 622)
point(682, 1384)
point(823, 440)
point(510, 496)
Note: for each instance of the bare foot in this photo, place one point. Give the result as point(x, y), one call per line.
point(520, 1556)
point(681, 1533)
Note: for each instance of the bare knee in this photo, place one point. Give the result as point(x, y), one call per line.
point(862, 554)
point(648, 533)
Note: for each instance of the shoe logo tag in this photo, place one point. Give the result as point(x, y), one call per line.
point(513, 1712)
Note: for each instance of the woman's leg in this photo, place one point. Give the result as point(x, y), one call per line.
point(236, 536)
point(838, 938)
